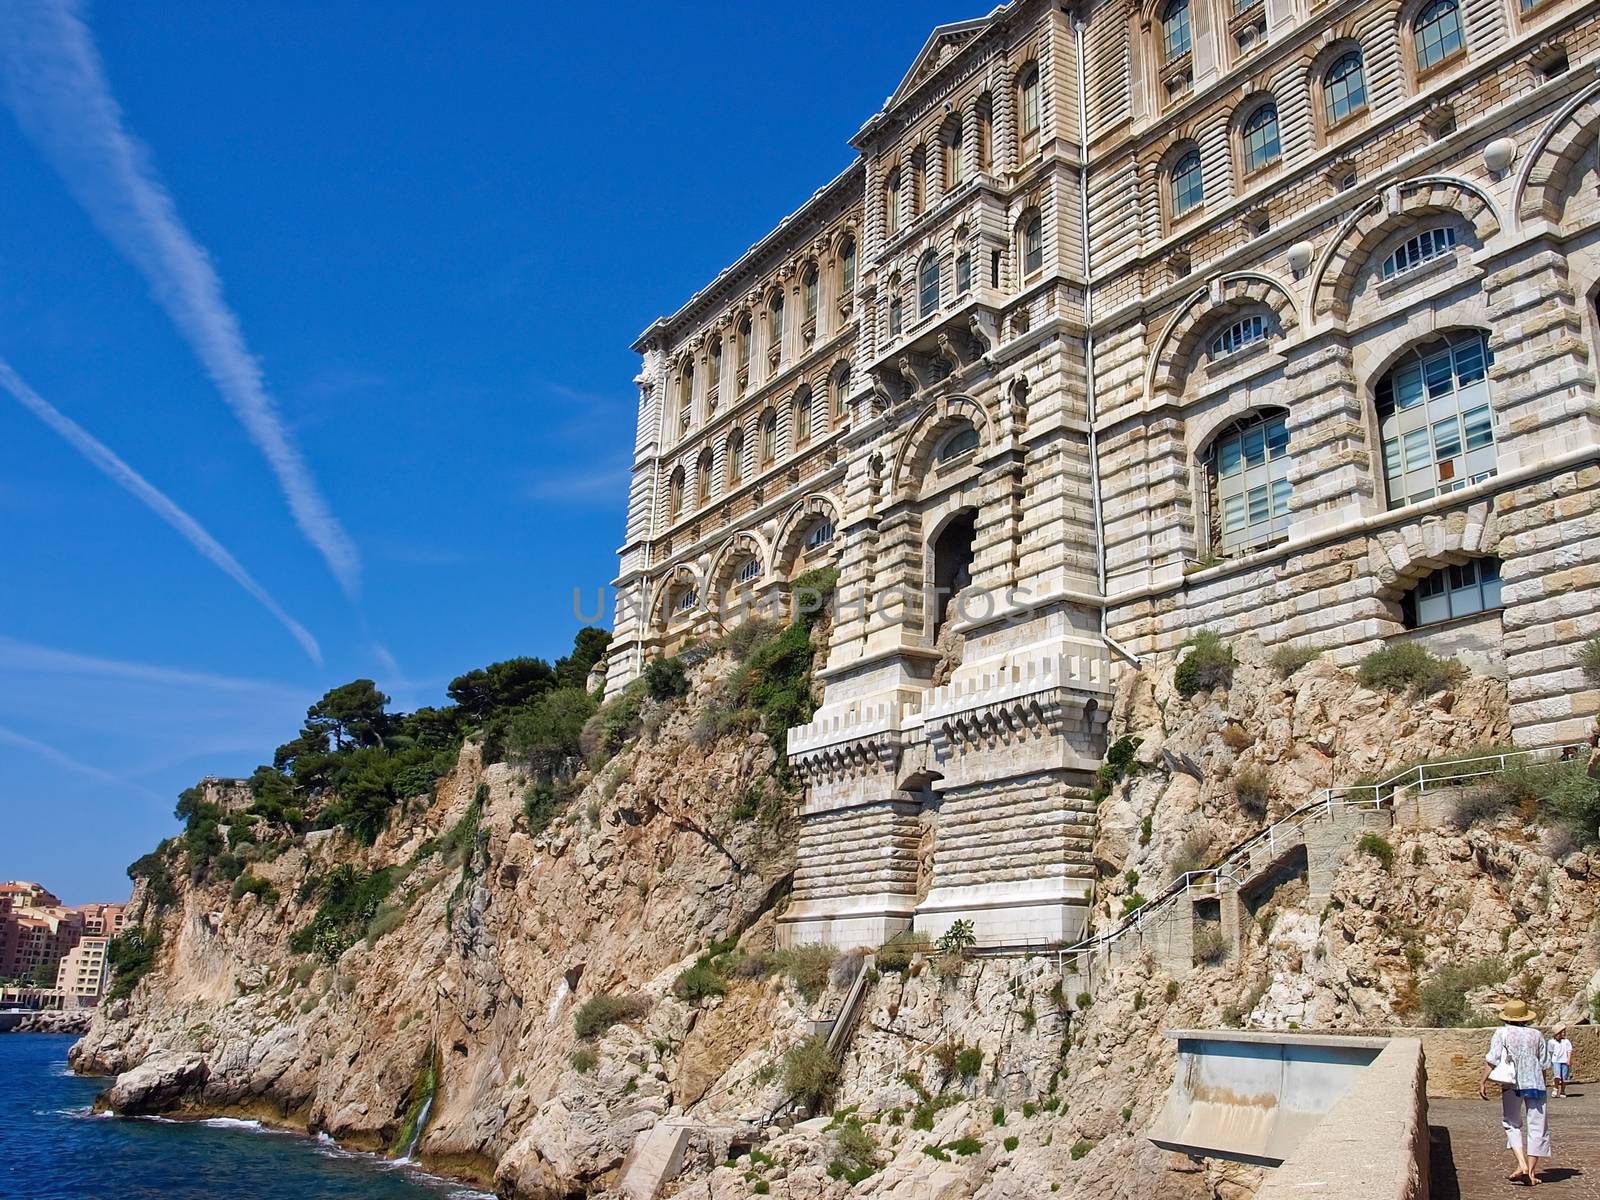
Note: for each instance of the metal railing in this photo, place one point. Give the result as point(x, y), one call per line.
point(1239, 865)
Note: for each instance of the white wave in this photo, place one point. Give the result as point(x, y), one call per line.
point(232, 1123)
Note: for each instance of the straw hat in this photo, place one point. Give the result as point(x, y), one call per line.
point(1515, 1012)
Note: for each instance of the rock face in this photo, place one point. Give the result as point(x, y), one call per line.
point(476, 976)
point(160, 1083)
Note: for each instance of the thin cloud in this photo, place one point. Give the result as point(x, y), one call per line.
point(56, 85)
point(584, 488)
point(125, 477)
point(30, 658)
point(10, 737)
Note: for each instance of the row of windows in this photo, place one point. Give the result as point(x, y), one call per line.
point(685, 597)
point(1435, 427)
point(745, 334)
point(1436, 36)
point(908, 186)
point(930, 274)
point(803, 415)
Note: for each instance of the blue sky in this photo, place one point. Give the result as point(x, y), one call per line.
point(359, 313)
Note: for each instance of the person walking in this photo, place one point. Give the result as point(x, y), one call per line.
point(1560, 1060)
point(1517, 1060)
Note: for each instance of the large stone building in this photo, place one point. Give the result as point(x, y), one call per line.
point(1131, 319)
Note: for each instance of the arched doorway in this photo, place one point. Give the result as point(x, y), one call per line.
point(952, 562)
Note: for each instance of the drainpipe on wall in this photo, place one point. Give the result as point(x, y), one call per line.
point(1078, 24)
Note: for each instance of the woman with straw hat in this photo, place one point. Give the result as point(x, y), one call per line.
point(1517, 1060)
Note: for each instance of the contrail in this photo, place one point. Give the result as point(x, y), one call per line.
point(56, 86)
point(152, 498)
point(17, 655)
point(10, 737)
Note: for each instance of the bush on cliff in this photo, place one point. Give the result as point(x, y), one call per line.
point(1444, 996)
point(1408, 667)
point(131, 955)
point(350, 900)
point(1208, 664)
point(810, 1072)
point(602, 1012)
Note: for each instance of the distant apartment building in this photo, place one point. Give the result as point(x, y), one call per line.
point(43, 941)
point(20, 893)
point(81, 977)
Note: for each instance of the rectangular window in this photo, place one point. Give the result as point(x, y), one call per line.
point(1480, 429)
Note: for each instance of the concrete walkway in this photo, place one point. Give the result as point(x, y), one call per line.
point(1470, 1161)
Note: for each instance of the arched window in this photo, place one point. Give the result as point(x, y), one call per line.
point(744, 344)
point(847, 281)
point(809, 285)
point(841, 391)
point(1344, 88)
point(1250, 477)
point(1414, 251)
point(684, 599)
point(1434, 419)
point(891, 203)
point(802, 417)
point(769, 437)
point(777, 322)
point(1028, 108)
point(1436, 33)
point(1188, 189)
point(1260, 138)
point(955, 170)
point(1459, 590)
point(675, 492)
point(734, 468)
point(1175, 33)
point(963, 273)
point(1032, 245)
point(897, 318)
point(1241, 333)
point(819, 534)
point(749, 571)
point(952, 562)
point(928, 284)
point(714, 372)
point(702, 477)
point(685, 397)
point(956, 443)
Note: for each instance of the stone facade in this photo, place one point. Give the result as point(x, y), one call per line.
point(1129, 320)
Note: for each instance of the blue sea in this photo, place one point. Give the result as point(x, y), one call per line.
point(51, 1148)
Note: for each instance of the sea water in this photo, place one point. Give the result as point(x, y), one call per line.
point(53, 1148)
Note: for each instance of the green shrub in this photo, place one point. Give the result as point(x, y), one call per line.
point(958, 939)
point(1084, 1001)
point(1011, 1143)
point(1191, 854)
point(1172, 987)
point(1121, 761)
point(1131, 904)
point(965, 1146)
point(350, 901)
point(665, 679)
point(1589, 659)
point(698, 982)
point(131, 956)
point(1253, 793)
point(1081, 1147)
point(1288, 659)
point(1408, 667)
point(807, 967)
point(1444, 996)
point(542, 803)
point(604, 1011)
point(584, 1060)
point(857, 1152)
point(254, 885)
point(998, 1115)
point(1478, 803)
point(1208, 664)
point(896, 954)
point(1377, 846)
point(1211, 945)
point(546, 733)
point(388, 919)
point(810, 1072)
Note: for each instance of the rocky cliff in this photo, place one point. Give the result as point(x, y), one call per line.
point(641, 918)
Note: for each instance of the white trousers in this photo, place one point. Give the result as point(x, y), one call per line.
point(1513, 1108)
